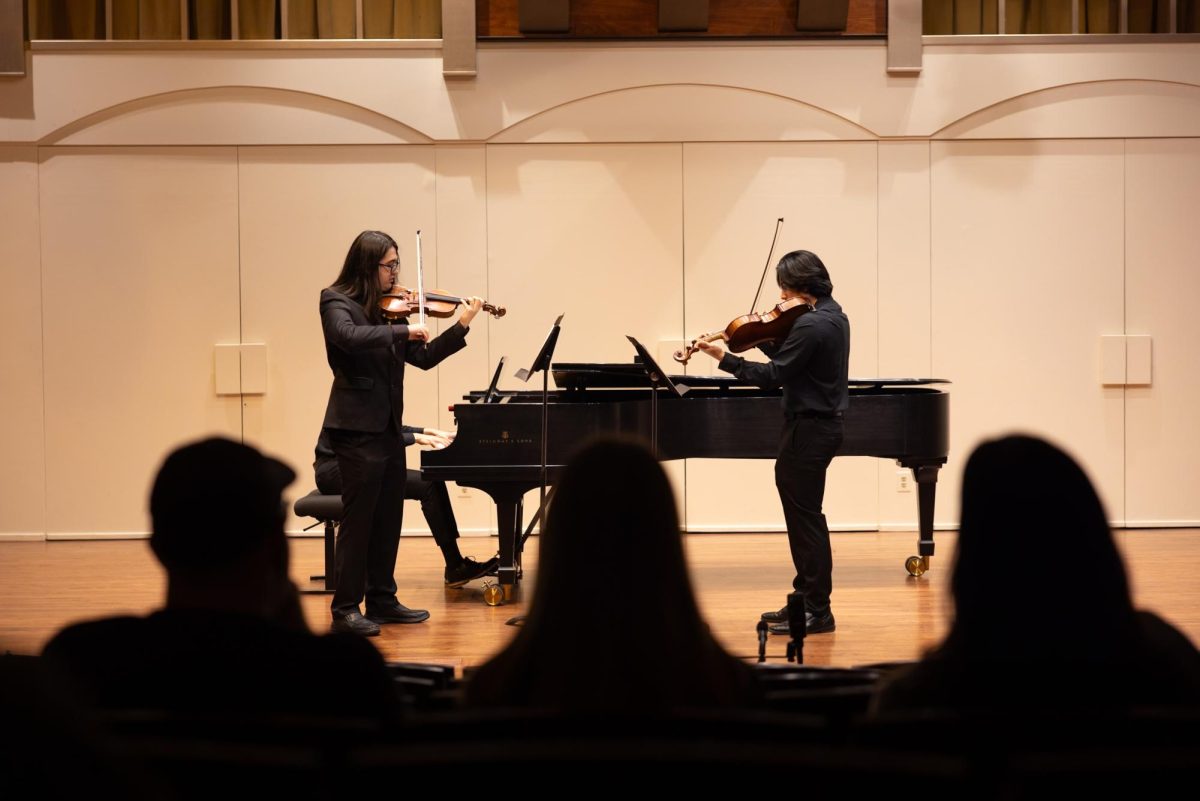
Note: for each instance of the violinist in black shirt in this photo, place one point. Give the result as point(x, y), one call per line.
point(812, 365)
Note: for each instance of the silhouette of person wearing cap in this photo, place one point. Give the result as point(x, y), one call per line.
point(230, 637)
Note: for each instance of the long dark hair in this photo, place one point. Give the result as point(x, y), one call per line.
point(359, 278)
point(1034, 545)
point(613, 627)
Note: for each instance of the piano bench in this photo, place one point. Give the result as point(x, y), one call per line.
point(326, 509)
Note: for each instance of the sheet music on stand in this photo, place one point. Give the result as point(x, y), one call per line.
point(658, 378)
point(491, 396)
point(542, 360)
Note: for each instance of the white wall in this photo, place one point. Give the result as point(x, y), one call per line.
point(985, 222)
point(139, 263)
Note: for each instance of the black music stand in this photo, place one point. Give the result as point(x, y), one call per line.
point(493, 394)
point(658, 378)
point(542, 362)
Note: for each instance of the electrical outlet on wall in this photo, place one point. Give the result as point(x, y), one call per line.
point(904, 481)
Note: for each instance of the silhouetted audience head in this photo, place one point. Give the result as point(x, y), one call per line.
point(214, 501)
point(1036, 570)
point(1043, 613)
point(613, 627)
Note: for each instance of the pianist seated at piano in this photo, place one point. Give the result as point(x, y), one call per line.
point(1057, 631)
point(638, 647)
point(434, 499)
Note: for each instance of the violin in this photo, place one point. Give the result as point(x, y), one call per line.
point(401, 302)
point(755, 328)
point(749, 330)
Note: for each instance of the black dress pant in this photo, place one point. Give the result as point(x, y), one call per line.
point(433, 495)
point(807, 448)
point(373, 477)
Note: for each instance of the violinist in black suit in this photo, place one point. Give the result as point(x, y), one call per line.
point(364, 419)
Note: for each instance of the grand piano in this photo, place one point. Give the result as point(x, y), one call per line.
point(498, 445)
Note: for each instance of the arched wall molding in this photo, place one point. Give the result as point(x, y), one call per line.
point(998, 120)
point(359, 122)
point(606, 104)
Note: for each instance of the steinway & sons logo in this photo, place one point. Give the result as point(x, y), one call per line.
point(506, 439)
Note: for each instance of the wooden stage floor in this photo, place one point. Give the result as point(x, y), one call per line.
point(882, 613)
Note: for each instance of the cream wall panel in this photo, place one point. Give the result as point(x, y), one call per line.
point(144, 244)
point(516, 82)
point(904, 287)
point(300, 210)
point(733, 194)
point(1112, 108)
point(594, 232)
point(463, 269)
point(1027, 275)
point(22, 427)
point(1162, 256)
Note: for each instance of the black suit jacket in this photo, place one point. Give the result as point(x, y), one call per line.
point(368, 363)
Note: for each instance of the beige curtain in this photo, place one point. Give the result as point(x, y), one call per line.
point(209, 19)
point(321, 19)
point(146, 19)
point(964, 17)
point(1037, 16)
point(402, 19)
point(66, 19)
point(960, 17)
point(257, 19)
point(1152, 16)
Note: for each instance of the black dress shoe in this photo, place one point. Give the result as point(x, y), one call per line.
point(354, 623)
point(813, 624)
point(775, 617)
point(396, 612)
point(469, 570)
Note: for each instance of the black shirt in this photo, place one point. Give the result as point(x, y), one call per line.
point(812, 364)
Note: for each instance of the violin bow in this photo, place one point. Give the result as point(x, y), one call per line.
point(421, 282)
point(770, 253)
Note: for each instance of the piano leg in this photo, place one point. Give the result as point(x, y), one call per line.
point(926, 476)
point(509, 512)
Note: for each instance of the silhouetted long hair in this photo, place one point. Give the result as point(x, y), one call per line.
point(359, 278)
point(1037, 574)
point(613, 627)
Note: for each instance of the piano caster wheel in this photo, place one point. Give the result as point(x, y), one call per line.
point(916, 565)
point(492, 594)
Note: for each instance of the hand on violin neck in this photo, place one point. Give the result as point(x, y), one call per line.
point(470, 309)
point(418, 332)
point(716, 351)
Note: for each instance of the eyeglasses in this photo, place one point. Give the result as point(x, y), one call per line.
point(391, 266)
